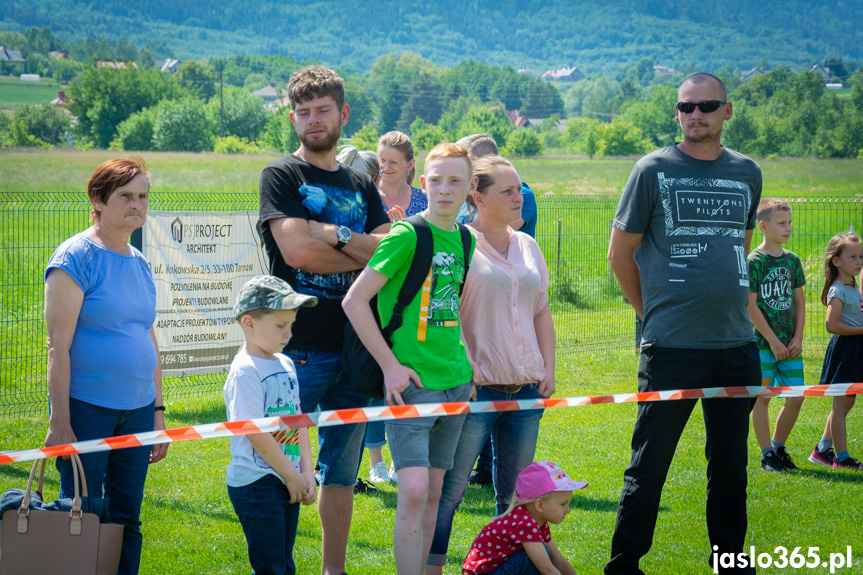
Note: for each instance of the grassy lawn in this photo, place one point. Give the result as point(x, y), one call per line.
point(186, 504)
point(15, 94)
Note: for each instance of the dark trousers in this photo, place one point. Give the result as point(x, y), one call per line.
point(269, 522)
point(654, 440)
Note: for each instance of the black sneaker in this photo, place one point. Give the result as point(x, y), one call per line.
point(785, 459)
point(480, 477)
point(847, 463)
point(363, 488)
point(771, 462)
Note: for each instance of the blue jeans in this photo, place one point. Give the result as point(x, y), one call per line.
point(340, 447)
point(269, 521)
point(517, 564)
point(118, 475)
point(376, 435)
point(514, 435)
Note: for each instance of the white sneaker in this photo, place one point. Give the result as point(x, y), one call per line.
point(393, 475)
point(378, 473)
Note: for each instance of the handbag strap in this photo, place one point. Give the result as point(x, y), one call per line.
point(75, 514)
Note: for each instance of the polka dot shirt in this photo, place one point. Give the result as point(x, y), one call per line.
point(501, 538)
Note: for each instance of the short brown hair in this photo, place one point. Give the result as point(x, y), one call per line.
point(315, 82)
point(112, 175)
point(770, 206)
point(450, 150)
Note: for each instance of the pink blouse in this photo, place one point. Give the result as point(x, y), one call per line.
point(501, 297)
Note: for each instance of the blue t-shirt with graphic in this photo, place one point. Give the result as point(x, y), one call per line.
point(293, 188)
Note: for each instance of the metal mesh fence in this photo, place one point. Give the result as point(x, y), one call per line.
point(590, 312)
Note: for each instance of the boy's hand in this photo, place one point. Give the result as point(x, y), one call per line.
point(779, 351)
point(396, 380)
point(297, 486)
point(795, 347)
point(311, 493)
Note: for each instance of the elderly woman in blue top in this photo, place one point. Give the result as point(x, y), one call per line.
point(104, 377)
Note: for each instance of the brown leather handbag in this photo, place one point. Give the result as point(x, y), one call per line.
point(42, 542)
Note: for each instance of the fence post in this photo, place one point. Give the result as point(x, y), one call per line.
point(559, 233)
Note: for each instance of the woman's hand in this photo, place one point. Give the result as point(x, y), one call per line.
point(160, 450)
point(546, 386)
point(396, 213)
point(59, 435)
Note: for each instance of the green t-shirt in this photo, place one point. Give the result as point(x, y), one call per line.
point(774, 279)
point(429, 340)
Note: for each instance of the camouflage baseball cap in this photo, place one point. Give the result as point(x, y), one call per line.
point(272, 293)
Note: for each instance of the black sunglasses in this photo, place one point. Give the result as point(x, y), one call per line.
point(706, 107)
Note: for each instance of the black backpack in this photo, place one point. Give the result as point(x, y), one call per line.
point(358, 366)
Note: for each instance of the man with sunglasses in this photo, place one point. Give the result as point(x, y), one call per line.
point(689, 211)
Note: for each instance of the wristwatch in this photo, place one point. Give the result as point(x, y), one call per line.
point(344, 235)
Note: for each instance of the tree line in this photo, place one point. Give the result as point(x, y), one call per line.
point(208, 106)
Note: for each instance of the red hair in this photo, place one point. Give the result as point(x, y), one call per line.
point(112, 175)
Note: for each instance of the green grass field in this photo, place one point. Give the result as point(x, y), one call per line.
point(15, 94)
point(190, 528)
point(186, 504)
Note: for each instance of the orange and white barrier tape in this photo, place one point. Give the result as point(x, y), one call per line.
point(367, 414)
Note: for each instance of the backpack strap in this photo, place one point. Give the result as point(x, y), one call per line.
point(466, 243)
point(417, 272)
point(420, 268)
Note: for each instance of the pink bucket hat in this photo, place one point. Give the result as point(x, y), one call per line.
point(543, 477)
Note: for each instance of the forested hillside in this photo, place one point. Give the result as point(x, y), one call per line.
point(595, 35)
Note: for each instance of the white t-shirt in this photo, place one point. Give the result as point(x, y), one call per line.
point(256, 388)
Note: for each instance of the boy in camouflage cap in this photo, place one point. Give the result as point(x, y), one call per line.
point(269, 474)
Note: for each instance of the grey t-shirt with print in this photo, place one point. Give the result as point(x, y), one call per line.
point(852, 303)
point(694, 276)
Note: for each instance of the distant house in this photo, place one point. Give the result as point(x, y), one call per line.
point(59, 54)
point(821, 71)
point(61, 99)
point(563, 75)
point(528, 71)
point(517, 121)
point(115, 64)
point(665, 70)
point(747, 74)
point(13, 57)
point(170, 65)
point(268, 93)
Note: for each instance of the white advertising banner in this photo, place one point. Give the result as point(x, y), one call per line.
point(199, 262)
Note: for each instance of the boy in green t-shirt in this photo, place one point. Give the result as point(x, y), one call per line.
point(427, 362)
point(776, 308)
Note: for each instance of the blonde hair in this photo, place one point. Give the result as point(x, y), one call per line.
point(483, 169)
point(515, 502)
point(450, 150)
point(401, 142)
point(834, 249)
point(769, 206)
point(363, 160)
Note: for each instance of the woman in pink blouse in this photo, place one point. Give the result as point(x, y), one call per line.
point(509, 335)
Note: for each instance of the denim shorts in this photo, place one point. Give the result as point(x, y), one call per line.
point(340, 447)
point(427, 441)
